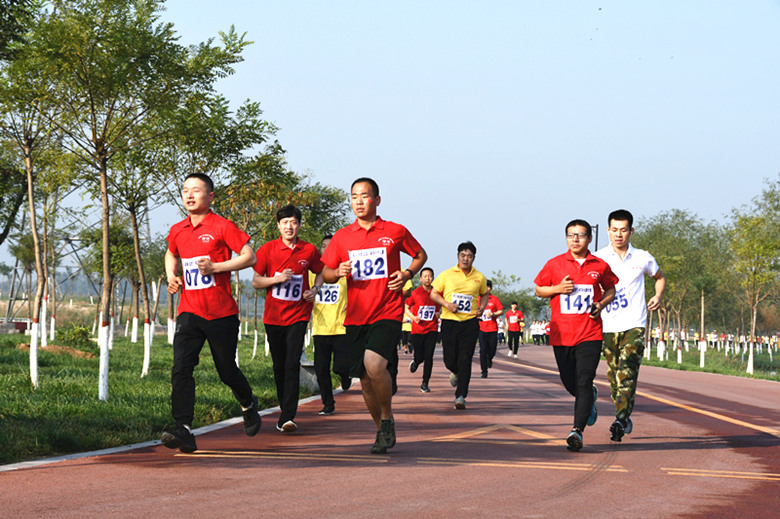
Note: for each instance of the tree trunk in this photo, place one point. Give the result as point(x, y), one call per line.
point(41, 281)
point(105, 302)
point(144, 294)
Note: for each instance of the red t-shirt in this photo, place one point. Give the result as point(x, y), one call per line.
point(284, 302)
point(215, 238)
point(489, 324)
point(421, 304)
point(570, 323)
point(375, 254)
point(513, 318)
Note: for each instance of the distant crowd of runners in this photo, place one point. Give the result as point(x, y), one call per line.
point(358, 294)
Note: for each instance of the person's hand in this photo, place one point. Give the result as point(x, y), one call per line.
point(566, 286)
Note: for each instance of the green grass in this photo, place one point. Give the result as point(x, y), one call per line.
point(718, 362)
point(65, 416)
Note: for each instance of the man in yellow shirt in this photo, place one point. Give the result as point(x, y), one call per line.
point(462, 293)
point(330, 339)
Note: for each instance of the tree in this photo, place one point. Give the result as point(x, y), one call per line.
point(13, 189)
point(14, 17)
point(507, 289)
point(118, 76)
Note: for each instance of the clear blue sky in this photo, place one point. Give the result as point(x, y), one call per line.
point(499, 121)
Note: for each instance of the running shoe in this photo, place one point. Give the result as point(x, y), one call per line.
point(328, 410)
point(574, 441)
point(385, 437)
point(514, 355)
point(287, 427)
point(424, 388)
point(346, 382)
point(252, 420)
point(629, 425)
point(460, 403)
point(453, 379)
point(484, 374)
point(509, 353)
point(594, 413)
point(413, 366)
point(181, 438)
point(617, 430)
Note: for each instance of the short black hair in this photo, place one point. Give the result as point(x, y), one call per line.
point(467, 245)
point(513, 303)
point(621, 215)
point(288, 211)
point(371, 181)
point(203, 177)
point(326, 237)
point(427, 268)
point(583, 223)
point(489, 284)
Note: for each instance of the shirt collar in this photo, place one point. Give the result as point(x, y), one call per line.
point(378, 224)
point(206, 220)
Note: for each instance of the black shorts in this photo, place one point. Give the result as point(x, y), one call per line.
point(380, 337)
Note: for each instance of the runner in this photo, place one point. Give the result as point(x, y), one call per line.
point(625, 319)
point(488, 331)
point(368, 254)
point(202, 244)
point(282, 268)
point(330, 339)
point(514, 318)
point(579, 286)
point(424, 314)
point(457, 291)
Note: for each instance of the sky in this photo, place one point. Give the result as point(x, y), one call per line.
point(500, 121)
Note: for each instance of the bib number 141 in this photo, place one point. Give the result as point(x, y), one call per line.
point(578, 301)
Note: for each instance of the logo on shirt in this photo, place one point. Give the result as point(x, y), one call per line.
point(386, 241)
point(594, 275)
point(303, 263)
point(205, 238)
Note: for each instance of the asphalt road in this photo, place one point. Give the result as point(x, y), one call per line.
point(703, 446)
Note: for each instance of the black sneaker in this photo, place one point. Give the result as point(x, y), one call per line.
point(328, 409)
point(424, 388)
point(484, 374)
point(574, 441)
point(252, 420)
point(346, 382)
point(385, 437)
point(413, 366)
point(181, 438)
point(287, 427)
point(617, 430)
point(490, 363)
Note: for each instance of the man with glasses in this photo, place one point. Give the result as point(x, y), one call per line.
point(579, 286)
point(625, 318)
point(462, 293)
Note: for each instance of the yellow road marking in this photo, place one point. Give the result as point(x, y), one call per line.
point(281, 455)
point(523, 464)
point(721, 474)
point(490, 428)
point(717, 416)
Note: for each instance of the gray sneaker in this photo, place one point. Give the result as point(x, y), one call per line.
point(453, 379)
point(460, 403)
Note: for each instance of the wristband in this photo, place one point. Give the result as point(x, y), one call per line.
point(411, 274)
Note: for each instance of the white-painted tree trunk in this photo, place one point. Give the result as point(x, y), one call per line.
point(702, 350)
point(679, 355)
point(171, 330)
point(52, 329)
point(750, 360)
point(661, 348)
point(147, 347)
point(34, 355)
point(134, 330)
point(111, 333)
point(44, 337)
point(267, 347)
point(254, 348)
point(103, 333)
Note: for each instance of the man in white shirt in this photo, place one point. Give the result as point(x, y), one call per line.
point(625, 318)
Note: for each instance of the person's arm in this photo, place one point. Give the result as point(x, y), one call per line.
point(311, 294)
point(609, 294)
point(408, 313)
point(259, 281)
point(483, 301)
point(246, 258)
point(399, 278)
point(437, 298)
point(566, 286)
point(660, 285)
point(171, 268)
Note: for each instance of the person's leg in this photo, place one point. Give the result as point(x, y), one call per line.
point(222, 335)
point(611, 350)
point(449, 344)
point(467, 343)
point(377, 387)
point(631, 348)
point(187, 343)
point(341, 357)
point(564, 358)
point(323, 350)
point(417, 340)
point(276, 336)
point(429, 345)
point(587, 356)
point(294, 337)
point(484, 352)
point(492, 343)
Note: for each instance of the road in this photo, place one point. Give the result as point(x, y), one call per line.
point(703, 446)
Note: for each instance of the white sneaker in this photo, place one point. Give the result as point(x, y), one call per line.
point(514, 356)
point(509, 353)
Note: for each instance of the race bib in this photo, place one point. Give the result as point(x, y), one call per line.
point(369, 264)
point(464, 303)
point(578, 301)
point(290, 290)
point(329, 294)
point(426, 313)
point(513, 319)
point(620, 301)
point(193, 279)
point(486, 317)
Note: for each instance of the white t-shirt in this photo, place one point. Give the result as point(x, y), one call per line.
point(628, 309)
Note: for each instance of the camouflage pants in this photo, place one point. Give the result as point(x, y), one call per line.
point(623, 351)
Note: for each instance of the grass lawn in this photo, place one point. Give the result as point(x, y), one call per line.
point(764, 365)
point(64, 414)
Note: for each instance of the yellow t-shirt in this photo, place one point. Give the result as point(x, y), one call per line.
point(327, 318)
point(461, 289)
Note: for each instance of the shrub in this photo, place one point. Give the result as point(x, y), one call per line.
point(76, 336)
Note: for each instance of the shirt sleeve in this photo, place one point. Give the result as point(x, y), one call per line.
point(234, 237)
point(261, 266)
point(316, 261)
